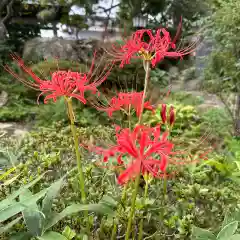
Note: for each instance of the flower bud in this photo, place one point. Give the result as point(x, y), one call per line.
point(171, 116)
point(164, 113)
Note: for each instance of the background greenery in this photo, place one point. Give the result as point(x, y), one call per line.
point(202, 200)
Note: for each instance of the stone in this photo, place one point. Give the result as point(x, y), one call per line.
point(13, 129)
point(173, 72)
point(3, 98)
point(38, 49)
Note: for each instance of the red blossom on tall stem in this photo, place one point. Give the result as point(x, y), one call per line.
point(171, 116)
point(158, 46)
point(164, 113)
point(126, 100)
point(62, 83)
point(147, 151)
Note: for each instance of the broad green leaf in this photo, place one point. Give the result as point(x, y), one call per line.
point(32, 217)
point(227, 231)
point(21, 236)
point(75, 208)
point(6, 202)
point(235, 237)
point(219, 166)
point(52, 236)
point(231, 217)
point(9, 225)
point(68, 233)
point(202, 234)
point(17, 207)
point(235, 179)
point(108, 201)
point(52, 193)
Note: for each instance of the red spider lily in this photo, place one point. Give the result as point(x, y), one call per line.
point(171, 116)
point(126, 100)
point(164, 113)
point(159, 46)
point(141, 146)
point(149, 152)
point(62, 83)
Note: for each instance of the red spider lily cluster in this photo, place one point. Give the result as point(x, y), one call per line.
point(143, 149)
point(158, 46)
point(124, 101)
point(147, 151)
point(63, 83)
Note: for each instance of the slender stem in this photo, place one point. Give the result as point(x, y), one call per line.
point(124, 193)
point(114, 231)
point(164, 187)
point(101, 230)
point(140, 236)
point(129, 117)
point(75, 138)
point(147, 69)
point(147, 75)
point(134, 197)
point(78, 156)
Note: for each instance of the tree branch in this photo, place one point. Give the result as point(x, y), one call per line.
point(2, 5)
point(109, 9)
point(9, 11)
point(226, 106)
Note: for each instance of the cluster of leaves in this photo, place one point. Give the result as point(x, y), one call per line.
point(228, 229)
point(196, 196)
point(224, 68)
point(213, 125)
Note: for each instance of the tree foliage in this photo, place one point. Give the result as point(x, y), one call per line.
point(223, 73)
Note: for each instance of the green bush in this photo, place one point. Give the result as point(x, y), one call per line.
point(200, 198)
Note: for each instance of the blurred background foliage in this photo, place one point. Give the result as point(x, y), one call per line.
point(200, 195)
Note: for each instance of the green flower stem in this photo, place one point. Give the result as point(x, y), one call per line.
point(114, 231)
point(76, 143)
point(146, 65)
point(140, 236)
point(78, 156)
point(134, 197)
point(147, 69)
point(164, 187)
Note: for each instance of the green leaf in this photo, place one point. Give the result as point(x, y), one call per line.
point(21, 236)
point(9, 225)
point(6, 202)
point(75, 208)
point(235, 237)
point(231, 217)
point(17, 207)
point(219, 166)
point(109, 201)
point(68, 233)
point(202, 234)
point(32, 217)
point(227, 231)
point(52, 236)
point(52, 193)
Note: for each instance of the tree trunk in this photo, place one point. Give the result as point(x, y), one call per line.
point(3, 31)
point(5, 4)
point(237, 118)
point(55, 30)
